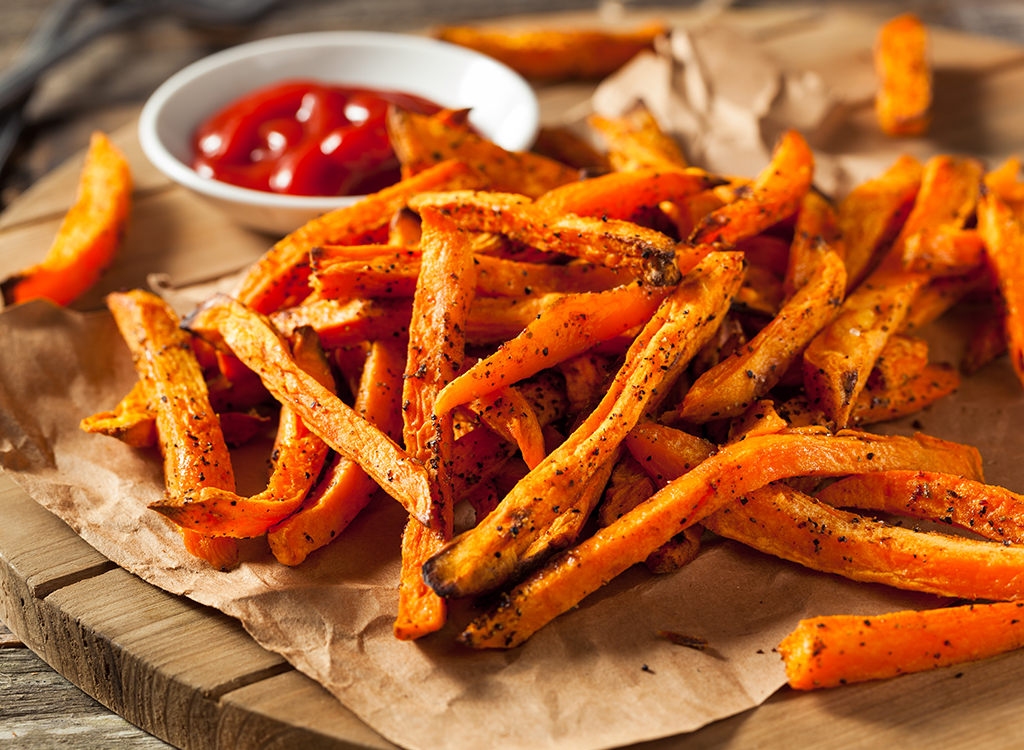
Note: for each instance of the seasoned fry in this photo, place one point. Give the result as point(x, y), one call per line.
point(843, 649)
point(816, 224)
point(734, 471)
point(569, 327)
point(422, 141)
point(1004, 246)
point(636, 141)
point(436, 348)
point(133, 420)
point(875, 405)
point(788, 524)
point(904, 98)
point(776, 194)
point(610, 242)
point(624, 195)
point(487, 556)
point(568, 147)
point(557, 55)
point(992, 512)
point(190, 439)
point(873, 213)
point(89, 236)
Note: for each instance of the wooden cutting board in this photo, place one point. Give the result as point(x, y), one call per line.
point(192, 676)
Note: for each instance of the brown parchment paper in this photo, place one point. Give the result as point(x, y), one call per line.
point(598, 676)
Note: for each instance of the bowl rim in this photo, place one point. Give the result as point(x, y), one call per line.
point(158, 153)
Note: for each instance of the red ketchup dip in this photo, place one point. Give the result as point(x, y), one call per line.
point(304, 137)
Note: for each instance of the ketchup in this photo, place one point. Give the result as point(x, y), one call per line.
point(304, 137)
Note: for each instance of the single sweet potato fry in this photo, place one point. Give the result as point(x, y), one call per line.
point(875, 405)
point(904, 98)
point(624, 195)
point(421, 141)
point(816, 224)
point(842, 649)
point(944, 251)
point(89, 236)
point(555, 54)
point(1004, 246)
point(133, 420)
point(734, 471)
point(988, 510)
point(612, 242)
point(569, 327)
point(786, 523)
point(871, 215)
point(565, 145)
point(774, 195)
point(190, 438)
point(636, 141)
point(340, 324)
point(444, 292)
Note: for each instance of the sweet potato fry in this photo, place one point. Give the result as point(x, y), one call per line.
point(625, 195)
point(611, 242)
point(734, 384)
point(786, 523)
point(340, 324)
point(843, 649)
point(816, 224)
point(993, 512)
point(564, 145)
point(901, 359)
point(89, 236)
point(569, 327)
point(904, 98)
point(554, 54)
point(775, 195)
point(871, 215)
point(436, 349)
point(875, 405)
point(1004, 246)
point(636, 141)
point(190, 439)
point(421, 141)
point(508, 413)
point(345, 488)
point(944, 251)
point(297, 460)
point(256, 342)
point(280, 278)
point(734, 471)
point(488, 555)
point(133, 420)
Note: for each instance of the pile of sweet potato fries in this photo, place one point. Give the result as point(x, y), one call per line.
point(604, 368)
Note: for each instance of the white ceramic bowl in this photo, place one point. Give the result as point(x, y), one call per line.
point(503, 106)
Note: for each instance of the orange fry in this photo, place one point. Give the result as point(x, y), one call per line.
point(569, 327)
point(191, 442)
point(89, 236)
point(1004, 246)
point(775, 195)
point(904, 95)
point(842, 649)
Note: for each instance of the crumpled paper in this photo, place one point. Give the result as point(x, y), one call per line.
point(726, 98)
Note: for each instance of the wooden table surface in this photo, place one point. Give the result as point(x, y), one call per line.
point(104, 87)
